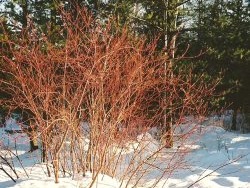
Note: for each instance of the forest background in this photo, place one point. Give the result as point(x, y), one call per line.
point(214, 35)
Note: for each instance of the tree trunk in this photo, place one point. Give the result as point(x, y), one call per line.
point(33, 139)
point(234, 119)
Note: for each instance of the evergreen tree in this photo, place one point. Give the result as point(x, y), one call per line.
point(222, 30)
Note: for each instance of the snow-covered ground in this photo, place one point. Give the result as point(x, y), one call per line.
point(216, 158)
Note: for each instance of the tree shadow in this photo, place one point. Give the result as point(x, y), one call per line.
point(8, 183)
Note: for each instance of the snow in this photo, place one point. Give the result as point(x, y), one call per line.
point(38, 181)
point(11, 124)
point(216, 158)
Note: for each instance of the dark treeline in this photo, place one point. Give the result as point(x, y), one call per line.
point(214, 34)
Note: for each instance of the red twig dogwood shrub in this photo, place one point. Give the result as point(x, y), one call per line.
point(92, 91)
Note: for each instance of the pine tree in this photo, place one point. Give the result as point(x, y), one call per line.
point(222, 30)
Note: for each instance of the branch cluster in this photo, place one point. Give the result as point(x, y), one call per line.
point(94, 87)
